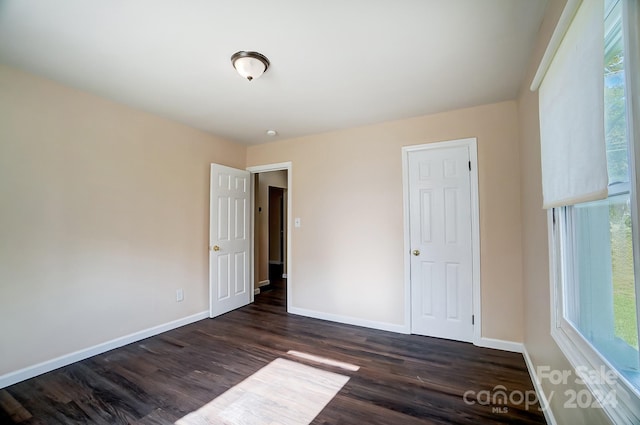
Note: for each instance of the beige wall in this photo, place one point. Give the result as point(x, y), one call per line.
point(347, 190)
point(275, 179)
point(107, 215)
point(538, 341)
point(104, 214)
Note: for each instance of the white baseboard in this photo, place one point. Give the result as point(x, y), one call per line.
point(383, 326)
point(256, 291)
point(49, 365)
point(548, 413)
point(263, 283)
point(499, 344)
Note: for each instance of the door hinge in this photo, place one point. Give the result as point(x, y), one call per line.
point(469, 165)
point(473, 319)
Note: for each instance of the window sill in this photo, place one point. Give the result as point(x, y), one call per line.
point(609, 389)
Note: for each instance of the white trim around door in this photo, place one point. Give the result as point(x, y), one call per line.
point(471, 144)
point(265, 169)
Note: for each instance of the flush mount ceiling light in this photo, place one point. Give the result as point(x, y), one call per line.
point(250, 65)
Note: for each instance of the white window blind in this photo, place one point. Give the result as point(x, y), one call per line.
point(574, 163)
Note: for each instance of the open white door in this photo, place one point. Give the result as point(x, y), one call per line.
point(229, 240)
point(441, 242)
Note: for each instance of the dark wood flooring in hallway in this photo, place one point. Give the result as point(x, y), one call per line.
point(403, 379)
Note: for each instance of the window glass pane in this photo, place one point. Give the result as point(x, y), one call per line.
point(624, 293)
point(601, 304)
point(600, 290)
point(615, 125)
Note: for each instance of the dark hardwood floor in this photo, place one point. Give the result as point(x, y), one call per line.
point(403, 379)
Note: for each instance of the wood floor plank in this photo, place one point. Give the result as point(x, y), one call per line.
point(157, 417)
point(12, 408)
point(402, 379)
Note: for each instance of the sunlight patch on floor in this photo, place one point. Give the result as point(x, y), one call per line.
point(283, 392)
point(323, 360)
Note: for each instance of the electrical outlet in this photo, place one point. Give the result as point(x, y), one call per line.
point(179, 295)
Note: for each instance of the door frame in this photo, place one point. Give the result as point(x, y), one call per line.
point(287, 166)
point(472, 145)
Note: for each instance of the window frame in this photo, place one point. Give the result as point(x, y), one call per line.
point(578, 350)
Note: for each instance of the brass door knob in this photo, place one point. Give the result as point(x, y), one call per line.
point(415, 252)
point(215, 248)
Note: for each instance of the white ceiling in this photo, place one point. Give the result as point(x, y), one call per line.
point(334, 63)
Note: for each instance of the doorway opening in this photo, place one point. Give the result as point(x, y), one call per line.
point(270, 233)
point(277, 235)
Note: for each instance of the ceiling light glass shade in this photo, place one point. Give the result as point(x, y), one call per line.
point(250, 65)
